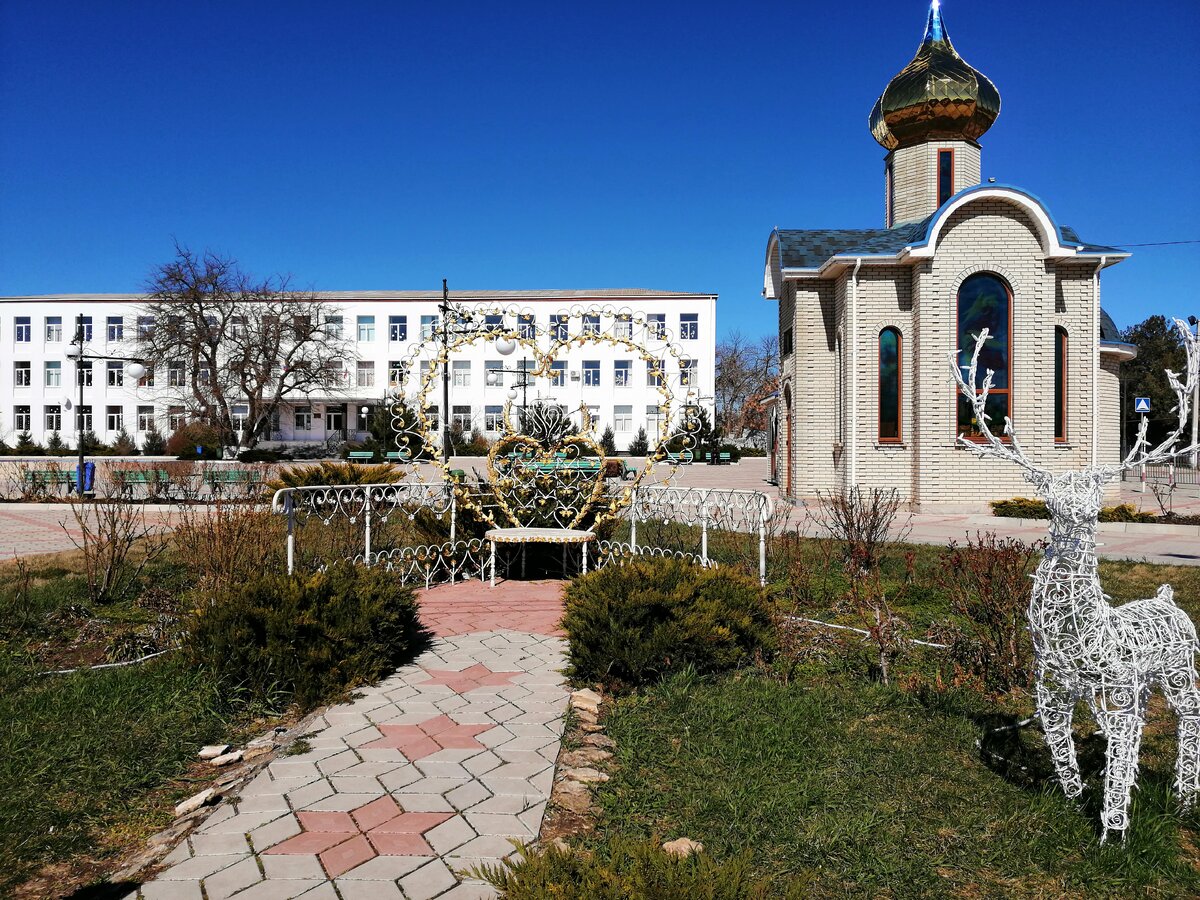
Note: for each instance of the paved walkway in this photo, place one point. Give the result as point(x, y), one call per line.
point(27, 528)
point(428, 773)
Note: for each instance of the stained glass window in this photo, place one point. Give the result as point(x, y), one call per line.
point(984, 301)
point(1060, 384)
point(945, 175)
point(889, 385)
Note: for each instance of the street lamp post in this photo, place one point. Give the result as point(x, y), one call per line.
point(504, 346)
point(75, 350)
point(493, 378)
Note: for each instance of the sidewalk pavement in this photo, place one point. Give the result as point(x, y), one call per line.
point(30, 528)
point(435, 770)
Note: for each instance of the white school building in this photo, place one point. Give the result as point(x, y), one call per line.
point(38, 392)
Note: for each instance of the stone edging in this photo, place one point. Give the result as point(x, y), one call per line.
point(237, 768)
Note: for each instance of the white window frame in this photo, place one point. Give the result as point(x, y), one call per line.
point(365, 373)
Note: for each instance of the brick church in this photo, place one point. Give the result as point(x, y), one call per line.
point(869, 317)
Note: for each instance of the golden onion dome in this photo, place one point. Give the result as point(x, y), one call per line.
point(937, 96)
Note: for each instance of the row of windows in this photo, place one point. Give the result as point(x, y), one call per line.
point(114, 418)
point(984, 301)
point(622, 373)
point(467, 417)
point(494, 372)
point(656, 327)
point(114, 328)
point(303, 418)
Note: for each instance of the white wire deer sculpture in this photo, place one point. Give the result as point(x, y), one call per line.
point(1109, 656)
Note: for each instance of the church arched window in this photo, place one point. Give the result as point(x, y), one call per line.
point(889, 386)
point(1060, 385)
point(985, 301)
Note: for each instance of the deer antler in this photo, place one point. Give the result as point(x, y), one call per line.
point(1140, 454)
point(994, 446)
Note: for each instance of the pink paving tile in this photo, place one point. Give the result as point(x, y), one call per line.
point(462, 737)
point(412, 823)
point(469, 606)
point(436, 725)
point(418, 741)
point(476, 676)
point(376, 813)
point(326, 821)
point(387, 844)
point(345, 857)
point(310, 842)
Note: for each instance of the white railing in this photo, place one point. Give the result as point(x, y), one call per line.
point(710, 510)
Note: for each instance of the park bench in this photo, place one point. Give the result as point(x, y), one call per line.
point(723, 456)
point(218, 480)
point(42, 479)
point(361, 455)
point(155, 481)
point(398, 455)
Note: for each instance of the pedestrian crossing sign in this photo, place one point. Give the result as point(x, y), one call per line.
point(1141, 405)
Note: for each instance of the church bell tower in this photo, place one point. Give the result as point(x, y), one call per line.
point(929, 119)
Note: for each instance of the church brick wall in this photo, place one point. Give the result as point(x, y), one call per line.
point(884, 298)
point(914, 176)
point(996, 236)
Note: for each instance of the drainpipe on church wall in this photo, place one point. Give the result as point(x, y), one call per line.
point(1096, 364)
point(852, 464)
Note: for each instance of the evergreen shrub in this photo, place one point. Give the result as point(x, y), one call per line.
point(636, 623)
point(307, 638)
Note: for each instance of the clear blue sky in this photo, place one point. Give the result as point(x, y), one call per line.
point(385, 145)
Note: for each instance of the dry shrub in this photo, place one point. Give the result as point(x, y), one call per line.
point(987, 582)
point(868, 599)
point(862, 521)
point(803, 567)
point(225, 543)
point(117, 543)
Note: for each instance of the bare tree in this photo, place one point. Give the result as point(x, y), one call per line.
point(747, 372)
point(215, 339)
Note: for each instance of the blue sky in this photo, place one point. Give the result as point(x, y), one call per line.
point(386, 145)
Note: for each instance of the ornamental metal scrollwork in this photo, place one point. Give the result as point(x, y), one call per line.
point(546, 478)
point(1085, 648)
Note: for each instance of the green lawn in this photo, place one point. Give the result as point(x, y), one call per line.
point(855, 789)
point(90, 763)
point(84, 758)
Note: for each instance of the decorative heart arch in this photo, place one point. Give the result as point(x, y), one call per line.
point(533, 480)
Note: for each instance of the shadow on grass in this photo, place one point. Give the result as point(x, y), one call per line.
point(106, 891)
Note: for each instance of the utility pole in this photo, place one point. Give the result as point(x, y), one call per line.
point(1195, 323)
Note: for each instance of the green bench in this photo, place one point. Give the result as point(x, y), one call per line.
point(363, 455)
point(723, 456)
point(40, 479)
point(220, 479)
point(154, 480)
point(398, 455)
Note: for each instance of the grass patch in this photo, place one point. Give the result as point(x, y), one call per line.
point(87, 754)
point(857, 789)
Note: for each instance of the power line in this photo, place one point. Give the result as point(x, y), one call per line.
point(1158, 244)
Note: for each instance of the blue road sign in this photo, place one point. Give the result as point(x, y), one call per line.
point(1141, 405)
